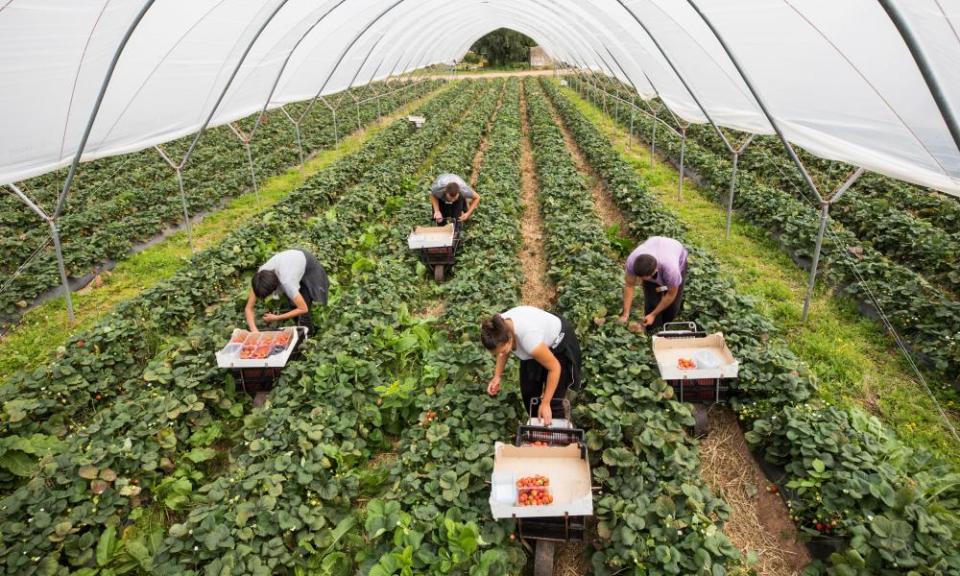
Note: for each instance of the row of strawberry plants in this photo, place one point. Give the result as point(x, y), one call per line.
point(921, 313)
point(120, 201)
point(891, 507)
point(919, 245)
point(655, 513)
point(155, 424)
point(277, 506)
point(444, 460)
point(916, 227)
point(101, 363)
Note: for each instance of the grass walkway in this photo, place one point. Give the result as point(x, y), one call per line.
point(42, 330)
point(853, 362)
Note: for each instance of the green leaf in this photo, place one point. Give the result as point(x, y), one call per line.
point(198, 455)
point(382, 516)
point(106, 546)
point(818, 465)
point(139, 552)
point(19, 463)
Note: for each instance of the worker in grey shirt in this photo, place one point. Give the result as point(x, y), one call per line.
point(450, 196)
point(302, 279)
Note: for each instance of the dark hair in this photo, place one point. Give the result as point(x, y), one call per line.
point(494, 332)
point(452, 189)
point(645, 265)
point(264, 283)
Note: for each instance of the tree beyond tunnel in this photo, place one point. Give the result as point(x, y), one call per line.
point(504, 46)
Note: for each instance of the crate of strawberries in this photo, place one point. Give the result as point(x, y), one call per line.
point(540, 481)
point(534, 491)
point(258, 349)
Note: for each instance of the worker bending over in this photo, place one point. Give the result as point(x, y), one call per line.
point(302, 279)
point(548, 350)
point(661, 264)
point(449, 197)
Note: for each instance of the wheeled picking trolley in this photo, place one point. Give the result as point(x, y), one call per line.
point(256, 359)
point(437, 247)
point(698, 366)
point(558, 453)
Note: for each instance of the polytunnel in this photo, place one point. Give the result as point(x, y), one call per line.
point(845, 82)
point(390, 287)
point(871, 83)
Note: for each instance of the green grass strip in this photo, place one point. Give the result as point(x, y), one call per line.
point(42, 330)
point(853, 362)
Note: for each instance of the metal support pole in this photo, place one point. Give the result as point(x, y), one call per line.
point(63, 269)
point(630, 142)
point(55, 235)
point(733, 190)
point(653, 140)
point(96, 109)
point(824, 216)
point(760, 102)
point(286, 61)
point(683, 150)
point(296, 128)
point(186, 215)
point(233, 75)
point(245, 140)
point(359, 123)
point(336, 131)
point(926, 69)
point(676, 71)
point(253, 172)
point(183, 194)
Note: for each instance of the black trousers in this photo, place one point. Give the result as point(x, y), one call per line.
point(533, 376)
point(453, 209)
point(651, 299)
point(314, 287)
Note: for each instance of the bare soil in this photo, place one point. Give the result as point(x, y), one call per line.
point(537, 289)
point(759, 520)
point(433, 309)
point(603, 201)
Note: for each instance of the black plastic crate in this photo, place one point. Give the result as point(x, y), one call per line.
point(527, 434)
point(701, 390)
point(555, 528)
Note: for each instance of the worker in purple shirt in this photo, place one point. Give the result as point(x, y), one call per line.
point(661, 264)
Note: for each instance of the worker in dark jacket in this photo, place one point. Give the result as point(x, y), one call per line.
point(452, 198)
point(302, 280)
point(661, 264)
point(548, 350)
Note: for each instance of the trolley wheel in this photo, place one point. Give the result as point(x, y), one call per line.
point(438, 272)
point(701, 425)
point(543, 558)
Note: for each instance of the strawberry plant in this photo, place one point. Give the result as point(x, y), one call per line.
point(324, 420)
point(922, 314)
point(654, 510)
point(120, 201)
point(841, 470)
point(177, 483)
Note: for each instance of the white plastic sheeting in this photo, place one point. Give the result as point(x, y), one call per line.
point(836, 75)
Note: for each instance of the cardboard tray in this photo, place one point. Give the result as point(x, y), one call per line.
point(431, 237)
point(569, 473)
point(229, 355)
point(668, 350)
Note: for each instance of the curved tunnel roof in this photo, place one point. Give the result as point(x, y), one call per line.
point(837, 77)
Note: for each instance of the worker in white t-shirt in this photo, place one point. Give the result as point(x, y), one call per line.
point(548, 350)
point(302, 280)
point(451, 197)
